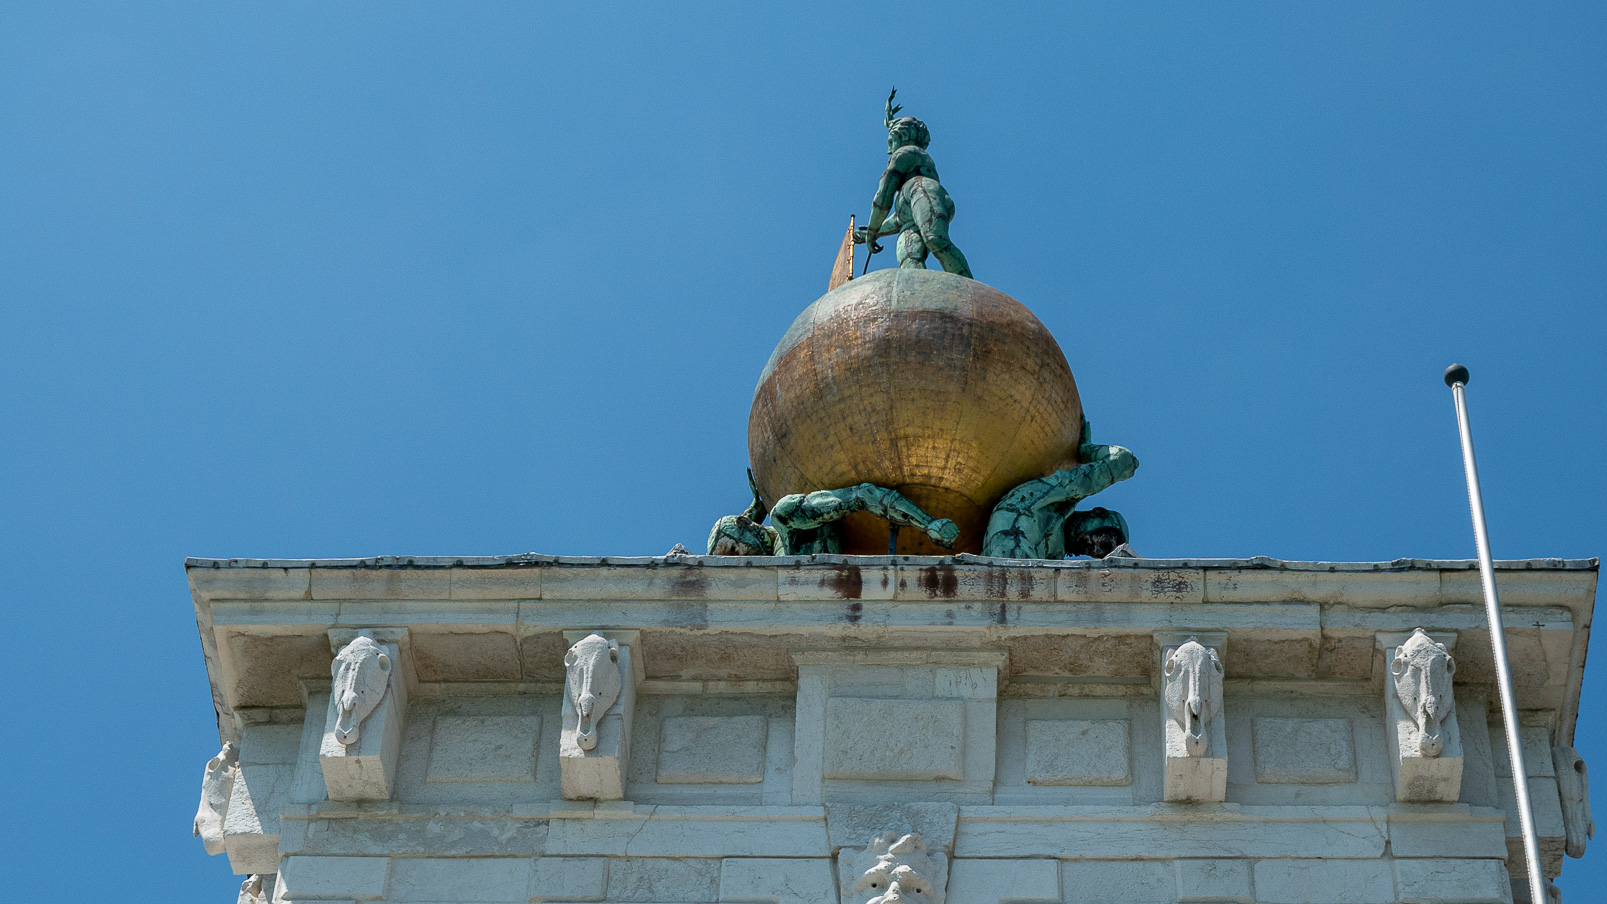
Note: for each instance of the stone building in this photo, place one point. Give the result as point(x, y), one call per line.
point(795, 719)
point(819, 729)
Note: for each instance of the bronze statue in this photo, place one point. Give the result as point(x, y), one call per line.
point(921, 209)
point(804, 523)
point(1037, 520)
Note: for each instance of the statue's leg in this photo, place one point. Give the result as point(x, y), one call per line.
point(936, 234)
point(911, 250)
point(1013, 532)
point(891, 506)
point(930, 211)
point(801, 511)
point(804, 525)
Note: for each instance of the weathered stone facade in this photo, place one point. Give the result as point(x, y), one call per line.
point(853, 729)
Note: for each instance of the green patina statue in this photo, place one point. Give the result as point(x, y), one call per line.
point(921, 209)
point(1037, 520)
point(802, 524)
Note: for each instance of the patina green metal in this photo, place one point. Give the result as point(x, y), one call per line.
point(745, 534)
point(1038, 520)
point(805, 523)
point(921, 209)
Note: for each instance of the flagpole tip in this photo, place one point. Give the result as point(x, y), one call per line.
point(1455, 374)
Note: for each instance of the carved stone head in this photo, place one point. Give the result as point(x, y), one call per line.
point(216, 784)
point(903, 870)
point(1192, 675)
point(1423, 670)
point(594, 682)
point(1574, 789)
point(362, 672)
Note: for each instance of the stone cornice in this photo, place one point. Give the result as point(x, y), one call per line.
point(250, 612)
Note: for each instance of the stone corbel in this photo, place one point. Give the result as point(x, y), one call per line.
point(1195, 741)
point(1574, 791)
point(1420, 716)
point(602, 671)
point(909, 842)
point(257, 889)
point(216, 784)
point(367, 707)
point(893, 868)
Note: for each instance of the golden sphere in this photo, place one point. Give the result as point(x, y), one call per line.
point(940, 387)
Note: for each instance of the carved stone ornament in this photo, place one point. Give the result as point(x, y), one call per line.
point(1194, 739)
point(1574, 789)
point(593, 684)
point(362, 738)
point(894, 868)
point(1420, 717)
point(251, 891)
point(1422, 670)
point(1193, 681)
point(216, 785)
point(362, 672)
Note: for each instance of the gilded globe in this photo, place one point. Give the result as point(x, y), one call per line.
point(935, 385)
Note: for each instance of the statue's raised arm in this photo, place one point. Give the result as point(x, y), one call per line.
point(911, 201)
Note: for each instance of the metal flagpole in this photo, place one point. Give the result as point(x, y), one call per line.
point(1456, 377)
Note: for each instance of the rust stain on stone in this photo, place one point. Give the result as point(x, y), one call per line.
point(688, 585)
point(940, 580)
point(856, 611)
point(1024, 585)
point(995, 583)
point(845, 581)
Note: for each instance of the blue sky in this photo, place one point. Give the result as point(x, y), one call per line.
point(354, 279)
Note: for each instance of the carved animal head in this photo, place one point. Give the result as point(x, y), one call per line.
point(216, 784)
point(594, 683)
point(903, 871)
point(1574, 788)
point(1193, 678)
point(362, 672)
point(1423, 670)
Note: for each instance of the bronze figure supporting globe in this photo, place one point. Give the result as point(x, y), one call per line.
point(937, 386)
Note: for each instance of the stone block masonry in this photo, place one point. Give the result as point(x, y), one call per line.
point(837, 729)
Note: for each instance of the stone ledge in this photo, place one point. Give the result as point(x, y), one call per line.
point(1359, 832)
point(1193, 831)
point(1255, 562)
point(962, 578)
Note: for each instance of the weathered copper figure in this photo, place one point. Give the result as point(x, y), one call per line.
point(1037, 520)
point(804, 523)
point(921, 209)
